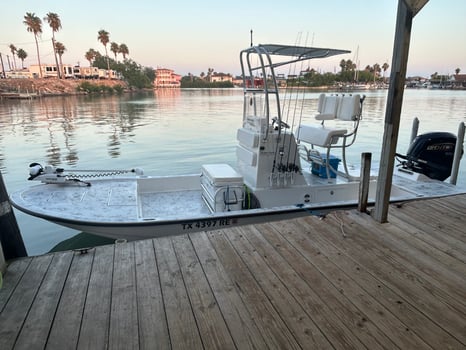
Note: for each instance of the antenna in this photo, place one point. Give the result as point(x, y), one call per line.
point(251, 38)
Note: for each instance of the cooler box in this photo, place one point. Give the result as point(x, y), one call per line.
point(319, 166)
point(222, 187)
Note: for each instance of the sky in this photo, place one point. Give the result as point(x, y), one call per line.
point(192, 36)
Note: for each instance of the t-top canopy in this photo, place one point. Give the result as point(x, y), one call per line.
point(295, 51)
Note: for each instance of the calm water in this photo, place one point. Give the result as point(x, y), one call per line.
point(170, 132)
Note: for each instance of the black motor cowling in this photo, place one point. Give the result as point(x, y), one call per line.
point(431, 154)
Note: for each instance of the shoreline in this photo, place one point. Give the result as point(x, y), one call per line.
point(42, 87)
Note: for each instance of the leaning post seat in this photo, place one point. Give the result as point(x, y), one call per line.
point(341, 108)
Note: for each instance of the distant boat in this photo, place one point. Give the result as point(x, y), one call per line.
point(279, 172)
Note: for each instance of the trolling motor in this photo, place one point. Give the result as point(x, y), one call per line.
point(430, 154)
point(49, 174)
point(53, 175)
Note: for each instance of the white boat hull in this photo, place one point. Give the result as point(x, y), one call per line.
point(144, 207)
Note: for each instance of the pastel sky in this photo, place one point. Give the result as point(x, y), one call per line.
point(191, 36)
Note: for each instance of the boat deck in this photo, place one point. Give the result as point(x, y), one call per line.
point(170, 204)
point(341, 282)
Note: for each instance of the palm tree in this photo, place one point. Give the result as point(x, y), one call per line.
point(55, 23)
point(343, 65)
point(209, 74)
point(104, 38)
point(457, 71)
point(60, 50)
point(90, 56)
point(22, 56)
point(124, 50)
point(13, 52)
point(376, 70)
point(115, 48)
point(34, 25)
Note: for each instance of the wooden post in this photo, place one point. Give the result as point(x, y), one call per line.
point(2, 264)
point(364, 181)
point(3, 67)
point(10, 237)
point(407, 9)
point(458, 154)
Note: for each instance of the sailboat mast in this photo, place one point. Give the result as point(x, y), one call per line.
point(356, 61)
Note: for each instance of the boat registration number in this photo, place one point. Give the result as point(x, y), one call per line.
point(206, 224)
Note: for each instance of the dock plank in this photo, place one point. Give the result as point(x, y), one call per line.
point(338, 332)
point(96, 316)
point(385, 275)
point(424, 260)
point(457, 202)
point(269, 322)
point(124, 330)
point(430, 240)
point(303, 328)
point(435, 225)
point(339, 303)
point(206, 311)
point(153, 328)
point(40, 317)
point(16, 310)
point(182, 327)
point(366, 293)
point(66, 326)
point(13, 275)
point(235, 312)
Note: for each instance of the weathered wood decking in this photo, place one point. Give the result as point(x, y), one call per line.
point(343, 282)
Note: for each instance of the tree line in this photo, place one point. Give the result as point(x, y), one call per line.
point(135, 75)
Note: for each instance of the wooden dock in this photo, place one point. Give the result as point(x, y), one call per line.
point(339, 282)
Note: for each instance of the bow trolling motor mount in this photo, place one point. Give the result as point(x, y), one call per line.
point(48, 174)
point(430, 154)
point(53, 175)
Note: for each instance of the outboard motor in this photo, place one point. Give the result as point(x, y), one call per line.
point(431, 154)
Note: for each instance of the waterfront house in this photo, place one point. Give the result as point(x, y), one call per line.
point(166, 78)
point(50, 71)
point(459, 81)
point(221, 77)
point(18, 74)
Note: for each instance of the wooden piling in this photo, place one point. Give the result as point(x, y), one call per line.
point(2, 264)
point(10, 236)
point(458, 154)
point(364, 181)
point(393, 109)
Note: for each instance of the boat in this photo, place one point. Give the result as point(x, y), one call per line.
point(284, 168)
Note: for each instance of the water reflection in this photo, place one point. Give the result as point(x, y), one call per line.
point(56, 126)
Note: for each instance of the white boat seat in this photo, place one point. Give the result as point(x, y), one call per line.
point(320, 135)
point(328, 107)
point(333, 111)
